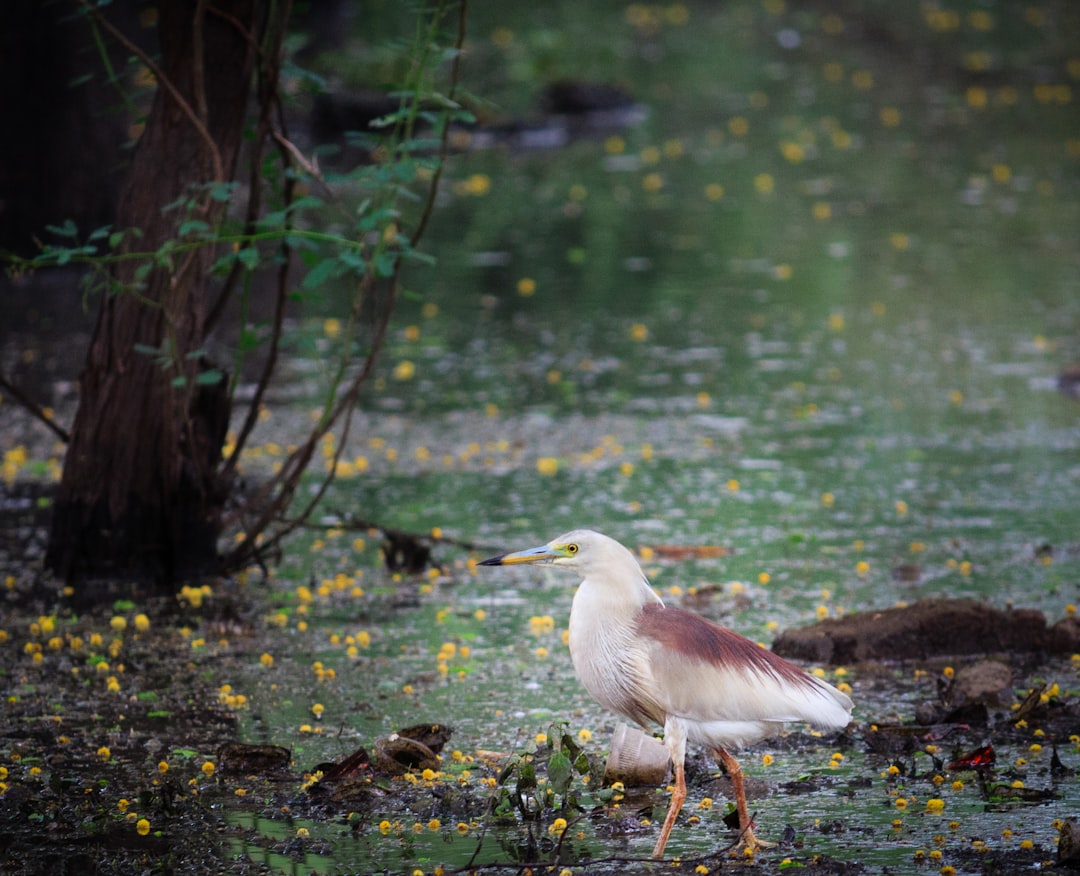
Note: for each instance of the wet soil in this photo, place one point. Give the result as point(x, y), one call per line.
point(122, 750)
point(928, 628)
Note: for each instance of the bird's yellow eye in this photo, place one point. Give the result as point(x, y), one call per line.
point(571, 549)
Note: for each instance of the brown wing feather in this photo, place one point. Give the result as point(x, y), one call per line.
point(692, 635)
point(703, 672)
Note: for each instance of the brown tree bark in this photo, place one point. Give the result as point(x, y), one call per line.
point(140, 496)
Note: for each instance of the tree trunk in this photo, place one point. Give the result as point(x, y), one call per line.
point(140, 496)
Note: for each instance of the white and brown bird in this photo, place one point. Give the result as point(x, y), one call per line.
point(657, 664)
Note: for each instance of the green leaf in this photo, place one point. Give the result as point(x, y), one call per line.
point(68, 229)
point(174, 205)
point(350, 258)
point(221, 191)
point(326, 270)
point(385, 263)
point(507, 770)
point(526, 777)
point(308, 202)
point(299, 242)
point(209, 378)
point(273, 221)
point(249, 257)
point(249, 340)
point(560, 772)
point(193, 225)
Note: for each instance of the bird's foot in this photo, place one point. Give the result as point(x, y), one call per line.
point(749, 844)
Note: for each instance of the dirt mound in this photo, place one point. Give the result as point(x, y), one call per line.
point(929, 628)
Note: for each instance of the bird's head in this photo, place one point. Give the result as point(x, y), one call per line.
point(587, 552)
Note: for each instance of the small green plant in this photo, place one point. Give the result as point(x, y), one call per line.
point(561, 787)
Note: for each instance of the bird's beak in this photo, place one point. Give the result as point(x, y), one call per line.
point(543, 554)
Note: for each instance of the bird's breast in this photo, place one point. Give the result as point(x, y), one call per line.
point(609, 662)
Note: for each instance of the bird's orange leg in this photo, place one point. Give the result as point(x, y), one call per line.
point(747, 839)
point(678, 795)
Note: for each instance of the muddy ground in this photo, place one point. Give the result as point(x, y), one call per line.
point(120, 750)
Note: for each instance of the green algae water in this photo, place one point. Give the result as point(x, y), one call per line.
point(810, 312)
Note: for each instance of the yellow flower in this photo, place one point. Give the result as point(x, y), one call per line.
point(652, 182)
point(541, 623)
point(104, 752)
point(208, 768)
point(479, 184)
point(143, 827)
point(267, 659)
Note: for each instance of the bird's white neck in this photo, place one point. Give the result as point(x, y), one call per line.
point(602, 621)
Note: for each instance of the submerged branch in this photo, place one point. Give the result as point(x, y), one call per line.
point(34, 408)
